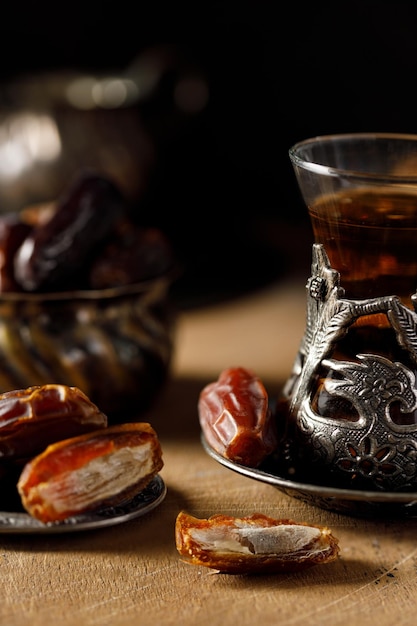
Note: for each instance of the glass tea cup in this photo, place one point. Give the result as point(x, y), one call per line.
point(361, 195)
point(350, 404)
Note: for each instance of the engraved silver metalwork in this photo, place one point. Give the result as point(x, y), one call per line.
point(374, 450)
point(360, 503)
point(141, 504)
point(366, 466)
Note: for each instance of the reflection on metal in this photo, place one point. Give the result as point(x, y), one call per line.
point(141, 504)
point(89, 92)
point(25, 139)
point(357, 502)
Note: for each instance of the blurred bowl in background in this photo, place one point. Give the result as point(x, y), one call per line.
point(114, 344)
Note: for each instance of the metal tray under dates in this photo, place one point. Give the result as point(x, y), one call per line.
point(347, 501)
point(140, 504)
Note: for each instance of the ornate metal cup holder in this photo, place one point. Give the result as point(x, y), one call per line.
point(354, 502)
point(374, 451)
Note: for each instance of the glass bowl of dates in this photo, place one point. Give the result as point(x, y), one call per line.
point(85, 298)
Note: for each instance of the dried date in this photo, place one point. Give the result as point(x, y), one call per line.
point(235, 417)
point(90, 472)
point(131, 255)
point(254, 544)
point(32, 418)
point(56, 249)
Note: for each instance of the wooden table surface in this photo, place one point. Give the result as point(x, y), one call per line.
point(131, 574)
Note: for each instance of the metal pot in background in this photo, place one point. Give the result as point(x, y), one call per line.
point(55, 124)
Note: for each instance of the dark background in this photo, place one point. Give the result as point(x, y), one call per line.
point(222, 187)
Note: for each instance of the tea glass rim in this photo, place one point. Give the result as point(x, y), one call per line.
point(317, 167)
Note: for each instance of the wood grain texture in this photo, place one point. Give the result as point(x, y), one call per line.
point(132, 574)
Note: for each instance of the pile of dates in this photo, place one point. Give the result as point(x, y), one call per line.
point(60, 458)
point(86, 239)
point(85, 298)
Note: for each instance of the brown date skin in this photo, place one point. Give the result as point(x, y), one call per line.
point(12, 233)
point(131, 255)
point(235, 417)
point(32, 418)
point(55, 250)
point(77, 475)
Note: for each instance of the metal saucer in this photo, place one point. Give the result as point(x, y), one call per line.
point(142, 503)
point(347, 501)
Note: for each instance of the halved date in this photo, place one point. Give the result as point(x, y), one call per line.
point(235, 417)
point(254, 544)
point(32, 418)
point(90, 472)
